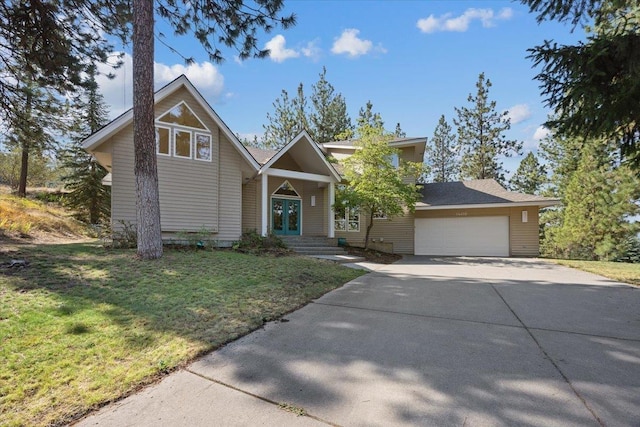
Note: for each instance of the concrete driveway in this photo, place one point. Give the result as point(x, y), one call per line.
point(426, 341)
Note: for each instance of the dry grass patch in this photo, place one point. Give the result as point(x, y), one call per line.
point(82, 325)
point(21, 217)
point(620, 271)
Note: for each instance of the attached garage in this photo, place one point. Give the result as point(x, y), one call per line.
point(477, 218)
point(473, 236)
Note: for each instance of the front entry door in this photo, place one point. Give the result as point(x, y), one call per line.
point(285, 216)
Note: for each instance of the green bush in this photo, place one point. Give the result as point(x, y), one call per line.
point(253, 243)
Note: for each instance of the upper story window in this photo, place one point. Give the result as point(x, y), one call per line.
point(180, 133)
point(182, 115)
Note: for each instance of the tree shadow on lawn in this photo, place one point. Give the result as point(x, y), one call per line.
point(161, 312)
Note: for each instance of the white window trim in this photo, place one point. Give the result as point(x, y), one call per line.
point(194, 138)
point(175, 152)
point(381, 215)
point(168, 128)
point(346, 220)
point(206, 129)
point(286, 196)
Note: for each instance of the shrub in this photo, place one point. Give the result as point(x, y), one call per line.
point(253, 243)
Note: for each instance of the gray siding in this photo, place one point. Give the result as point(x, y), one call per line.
point(314, 217)
point(397, 234)
point(193, 193)
point(250, 212)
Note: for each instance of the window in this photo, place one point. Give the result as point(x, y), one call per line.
point(347, 219)
point(162, 141)
point(394, 160)
point(182, 143)
point(379, 215)
point(180, 133)
point(203, 147)
point(182, 115)
point(286, 189)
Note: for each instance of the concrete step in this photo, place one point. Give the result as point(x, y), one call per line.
point(318, 250)
point(341, 259)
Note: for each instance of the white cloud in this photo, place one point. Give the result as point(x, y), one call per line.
point(350, 44)
point(204, 76)
point(312, 50)
point(461, 23)
point(278, 50)
point(541, 133)
point(117, 92)
point(519, 113)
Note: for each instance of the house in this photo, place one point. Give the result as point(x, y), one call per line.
point(209, 181)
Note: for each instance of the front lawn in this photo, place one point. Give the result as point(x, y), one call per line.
point(81, 325)
point(620, 271)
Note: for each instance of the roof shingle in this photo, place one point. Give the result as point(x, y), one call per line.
point(475, 192)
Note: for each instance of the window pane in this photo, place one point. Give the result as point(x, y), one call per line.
point(182, 115)
point(162, 141)
point(203, 147)
point(182, 143)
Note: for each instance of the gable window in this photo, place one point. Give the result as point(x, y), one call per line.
point(182, 115)
point(286, 189)
point(180, 133)
point(162, 141)
point(347, 219)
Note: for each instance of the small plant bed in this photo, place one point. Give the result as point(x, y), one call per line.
point(373, 256)
point(620, 271)
point(82, 325)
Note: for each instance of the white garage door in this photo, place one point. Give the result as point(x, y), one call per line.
point(476, 236)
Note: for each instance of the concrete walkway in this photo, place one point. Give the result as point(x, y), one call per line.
point(426, 341)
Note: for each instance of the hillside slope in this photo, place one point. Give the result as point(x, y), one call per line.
point(27, 219)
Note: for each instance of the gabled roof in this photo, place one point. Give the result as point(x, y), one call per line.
point(476, 194)
point(120, 122)
point(314, 146)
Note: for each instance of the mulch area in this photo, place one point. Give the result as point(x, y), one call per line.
point(373, 256)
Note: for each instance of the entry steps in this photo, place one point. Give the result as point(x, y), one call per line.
point(313, 245)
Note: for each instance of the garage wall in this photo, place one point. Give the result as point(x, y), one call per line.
point(397, 234)
point(524, 238)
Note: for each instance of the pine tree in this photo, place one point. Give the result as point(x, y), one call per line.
point(301, 110)
point(600, 197)
point(282, 126)
point(87, 195)
point(441, 156)
point(369, 120)
point(530, 176)
point(399, 133)
point(481, 136)
point(593, 85)
point(329, 117)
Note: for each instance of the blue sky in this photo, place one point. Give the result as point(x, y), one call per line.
point(415, 60)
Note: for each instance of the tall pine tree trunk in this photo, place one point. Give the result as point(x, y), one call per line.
point(24, 167)
point(25, 145)
point(146, 168)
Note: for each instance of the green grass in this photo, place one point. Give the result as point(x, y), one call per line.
point(620, 271)
point(82, 325)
